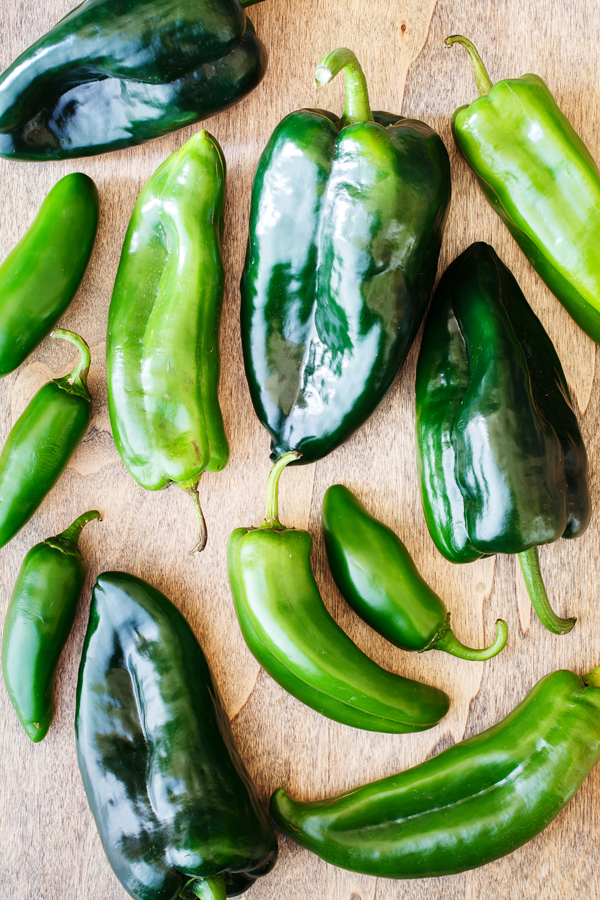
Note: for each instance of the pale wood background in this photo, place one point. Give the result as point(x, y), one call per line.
point(49, 847)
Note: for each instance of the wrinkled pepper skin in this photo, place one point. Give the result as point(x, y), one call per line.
point(376, 576)
point(173, 802)
point(346, 222)
point(541, 179)
point(501, 461)
point(116, 73)
point(39, 619)
point(42, 441)
point(41, 275)
point(292, 635)
point(473, 803)
point(162, 350)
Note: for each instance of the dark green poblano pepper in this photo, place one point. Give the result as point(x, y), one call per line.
point(177, 812)
point(115, 73)
point(502, 464)
point(346, 224)
point(470, 804)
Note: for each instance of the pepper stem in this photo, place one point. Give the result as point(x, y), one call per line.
point(67, 540)
point(245, 3)
point(357, 108)
point(192, 490)
point(530, 566)
point(482, 79)
point(208, 888)
point(272, 505)
point(593, 677)
point(76, 381)
point(449, 643)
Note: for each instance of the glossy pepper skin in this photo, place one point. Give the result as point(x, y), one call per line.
point(375, 574)
point(115, 73)
point(346, 222)
point(471, 804)
point(162, 349)
point(541, 179)
point(502, 464)
point(39, 619)
point(175, 808)
point(41, 275)
point(42, 441)
point(291, 634)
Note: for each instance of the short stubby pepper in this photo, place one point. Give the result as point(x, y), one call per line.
point(162, 347)
point(375, 574)
point(501, 460)
point(290, 632)
point(473, 803)
point(541, 179)
point(177, 812)
point(346, 223)
point(39, 619)
point(42, 441)
point(116, 73)
point(41, 275)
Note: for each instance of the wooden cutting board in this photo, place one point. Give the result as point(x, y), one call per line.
point(49, 847)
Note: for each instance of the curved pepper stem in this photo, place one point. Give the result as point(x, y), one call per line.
point(205, 888)
point(482, 79)
point(68, 539)
point(272, 505)
point(530, 566)
point(76, 381)
point(191, 488)
point(449, 643)
point(357, 108)
point(593, 678)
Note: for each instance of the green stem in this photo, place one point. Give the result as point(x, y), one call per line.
point(272, 505)
point(482, 79)
point(530, 566)
point(593, 677)
point(67, 540)
point(449, 643)
point(357, 107)
point(245, 3)
point(208, 888)
point(192, 490)
point(76, 381)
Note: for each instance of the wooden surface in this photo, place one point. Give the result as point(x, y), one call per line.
point(49, 847)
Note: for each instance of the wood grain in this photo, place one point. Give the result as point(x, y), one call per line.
point(49, 847)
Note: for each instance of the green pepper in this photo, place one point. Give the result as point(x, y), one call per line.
point(162, 350)
point(541, 179)
point(346, 223)
point(471, 804)
point(42, 441)
point(502, 464)
point(116, 73)
point(39, 619)
point(175, 807)
point(288, 629)
point(377, 577)
point(40, 276)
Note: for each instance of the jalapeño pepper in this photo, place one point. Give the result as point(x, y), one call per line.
point(42, 442)
point(38, 622)
point(502, 464)
point(377, 577)
point(116, 73)
point(288, 629)
point(471, 804)
point(346, 224)
point(40, 276)
point(177, 812)
point(541, 179)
